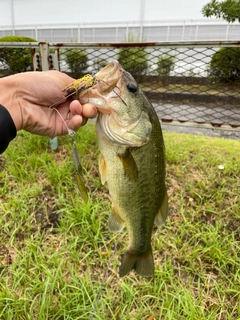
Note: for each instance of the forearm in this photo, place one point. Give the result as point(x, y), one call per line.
point(28, 97)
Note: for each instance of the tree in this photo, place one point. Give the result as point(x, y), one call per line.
point(165, 65)
point(99, 63)
point(228, 10)
point(225, 66)
point(16, 59)
point(133, 60)
point(77, 61)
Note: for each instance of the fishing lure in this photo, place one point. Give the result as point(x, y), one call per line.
point(82, 84)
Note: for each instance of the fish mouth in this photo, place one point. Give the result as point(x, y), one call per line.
point(107, 80)
point(106, 74)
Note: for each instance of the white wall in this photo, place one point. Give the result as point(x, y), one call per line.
point(5, 13)
point(45, 12)
point(174, 9)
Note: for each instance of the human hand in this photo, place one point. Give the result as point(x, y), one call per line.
point(28, 96)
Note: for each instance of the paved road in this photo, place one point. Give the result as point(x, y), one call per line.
point(228, 115)
point(216, 121)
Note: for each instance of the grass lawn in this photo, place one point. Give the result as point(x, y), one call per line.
point(55, 249)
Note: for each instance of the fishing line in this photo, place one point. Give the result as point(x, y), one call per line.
point(70, 131)
point(114, 91)
point(76, 159)
point(61, 100)
point(93, 315)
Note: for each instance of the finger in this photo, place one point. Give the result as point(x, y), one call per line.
point(89, 110)
point(76, 107)
point(75, 122)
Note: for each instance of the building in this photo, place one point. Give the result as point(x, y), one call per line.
point(112, 21)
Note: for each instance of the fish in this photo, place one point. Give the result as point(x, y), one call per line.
point(132, 162)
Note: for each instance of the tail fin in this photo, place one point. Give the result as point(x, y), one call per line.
point(142, 263)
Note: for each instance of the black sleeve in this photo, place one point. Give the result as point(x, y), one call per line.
point(7, 129)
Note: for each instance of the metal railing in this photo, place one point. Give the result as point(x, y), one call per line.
point(178, 78)
point(167, 30)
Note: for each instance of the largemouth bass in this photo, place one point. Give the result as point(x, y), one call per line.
point(132, 162)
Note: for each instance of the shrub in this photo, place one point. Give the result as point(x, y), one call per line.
point(133, 60)
point(16, 59)
point(77, 61)
point(99, 64)
point(225, 65)
point(165, 65)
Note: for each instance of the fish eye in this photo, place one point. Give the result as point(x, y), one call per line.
point(132, 87)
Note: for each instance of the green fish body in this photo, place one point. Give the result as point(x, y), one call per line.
point(132, 162)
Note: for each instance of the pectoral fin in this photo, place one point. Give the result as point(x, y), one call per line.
point(103, 169)
point(115, 223)
point(129, 165)
point(162, 215)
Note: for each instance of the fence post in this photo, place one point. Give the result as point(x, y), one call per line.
point(48, 63)
point(44, 52)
